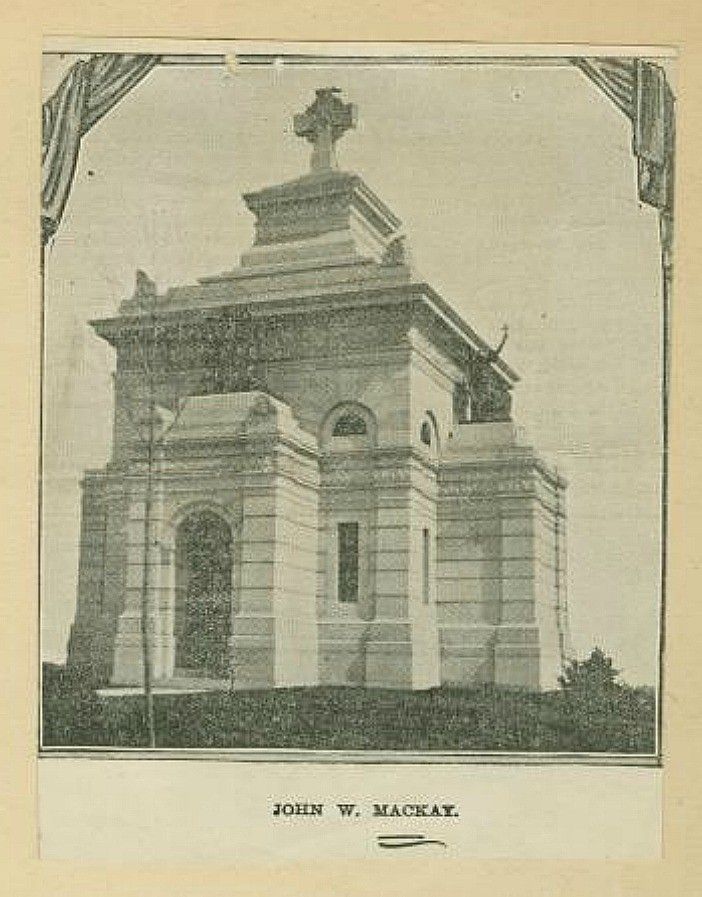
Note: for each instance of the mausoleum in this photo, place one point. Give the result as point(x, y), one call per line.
point(315, 475)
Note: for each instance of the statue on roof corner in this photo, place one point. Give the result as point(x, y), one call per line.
point(396, 251)
point(481, 396)
point(144, 286)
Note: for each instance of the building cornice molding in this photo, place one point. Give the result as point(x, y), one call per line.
point(414, 300)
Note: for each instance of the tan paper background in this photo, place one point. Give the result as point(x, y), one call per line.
point(596, 22)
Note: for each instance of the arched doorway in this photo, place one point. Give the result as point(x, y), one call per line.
point(203, 604)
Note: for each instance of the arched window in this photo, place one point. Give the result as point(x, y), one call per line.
point(350, 424)
point(429, 433)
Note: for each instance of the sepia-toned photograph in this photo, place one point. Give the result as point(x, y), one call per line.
point(354, 405)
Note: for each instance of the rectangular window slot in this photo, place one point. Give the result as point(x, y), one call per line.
point(425, 565)
point(348, 562)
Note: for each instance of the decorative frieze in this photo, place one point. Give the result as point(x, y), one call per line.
point(474, 485)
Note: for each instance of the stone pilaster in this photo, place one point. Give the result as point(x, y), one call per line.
point(101, 574)
point(147, 566)
point(497, 583)
point(402, 645)
point(274, 638)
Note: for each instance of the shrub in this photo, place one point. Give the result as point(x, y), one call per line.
point(591, 712)
point(602, 713)
point(595, 674)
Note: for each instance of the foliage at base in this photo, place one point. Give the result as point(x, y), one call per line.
point(613, 719)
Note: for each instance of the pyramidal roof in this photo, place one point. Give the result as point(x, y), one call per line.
point(323, 234)
point(327, 216)
point(327, 224)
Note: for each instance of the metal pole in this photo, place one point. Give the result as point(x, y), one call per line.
point(145, 609)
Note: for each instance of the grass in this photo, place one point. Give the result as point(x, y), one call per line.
point(479, 718)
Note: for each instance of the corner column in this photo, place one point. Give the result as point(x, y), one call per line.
point(145, 557)
point(274, 632)
point(403, 647)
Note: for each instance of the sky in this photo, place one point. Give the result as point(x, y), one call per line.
point(517, 189)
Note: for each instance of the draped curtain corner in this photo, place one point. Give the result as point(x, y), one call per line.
point(639, 88)
point(90, 89)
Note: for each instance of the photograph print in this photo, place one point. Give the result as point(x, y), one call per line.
point(354, 404)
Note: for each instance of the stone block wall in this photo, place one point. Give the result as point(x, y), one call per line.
point(101, 574)
point(500, 613)
point(347, 494)
point(461, 537)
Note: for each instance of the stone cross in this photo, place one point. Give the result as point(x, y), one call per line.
point(323, 123)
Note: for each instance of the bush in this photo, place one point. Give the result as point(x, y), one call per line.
point(448, 718)
point(71, 708)
point(602, 713)
point(595, 675)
